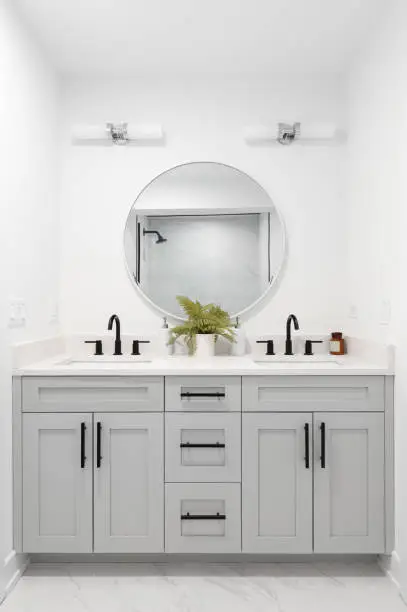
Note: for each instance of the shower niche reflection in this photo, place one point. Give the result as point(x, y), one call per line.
point(207, 231)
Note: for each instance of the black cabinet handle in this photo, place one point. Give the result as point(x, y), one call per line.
point(203, 517)
point(188, 394)
point(189, 445)
point(306, 428)
point(83, 456)
point(98, 444)
point(323, 447)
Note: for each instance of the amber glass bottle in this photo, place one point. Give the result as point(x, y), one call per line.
point(337, 344)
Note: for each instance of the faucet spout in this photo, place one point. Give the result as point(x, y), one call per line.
point(288, 341)
point(118, 341)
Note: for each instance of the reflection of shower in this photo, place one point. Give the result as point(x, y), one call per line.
point(160, 238)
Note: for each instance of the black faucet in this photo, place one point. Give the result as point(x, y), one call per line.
point(118, 341)
point(288, 341)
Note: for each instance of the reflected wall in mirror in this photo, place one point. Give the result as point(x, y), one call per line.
point(207, 231)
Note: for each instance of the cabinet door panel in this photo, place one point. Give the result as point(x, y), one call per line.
point(57, 490)
point(349, 490)
point(129, 484)
point(276, 484)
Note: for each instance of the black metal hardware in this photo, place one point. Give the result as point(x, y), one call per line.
point(288, 342)
point(136, 346)
point(98, 346)
point(323, 447)
point(189, 445)
point(308, 346)
point(203, 517)
point(270, 346)
point(217, 394)
point(118, 341)
point(138, 262)
point(306, 428)
point(98, 444)
point(83, 456)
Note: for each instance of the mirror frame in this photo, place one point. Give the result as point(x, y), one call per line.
point(276, 275)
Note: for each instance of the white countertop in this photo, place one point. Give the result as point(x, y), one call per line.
point(62, 365)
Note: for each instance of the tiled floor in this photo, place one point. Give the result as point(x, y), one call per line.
point(195, 587)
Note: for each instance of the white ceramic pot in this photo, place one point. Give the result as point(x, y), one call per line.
point(205, 346)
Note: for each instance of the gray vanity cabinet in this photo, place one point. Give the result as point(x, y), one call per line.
point(349, 483)
point(277, 483)
point(129, 483)
point(93, 482)
point(57, 483)
point(333, 503)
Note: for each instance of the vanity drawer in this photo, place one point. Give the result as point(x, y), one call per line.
point(203, 447)
point(203, 393)
point(93, 393)
point(191, 520)
point(313, 393)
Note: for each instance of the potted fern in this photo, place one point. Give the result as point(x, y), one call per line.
point(204, 324)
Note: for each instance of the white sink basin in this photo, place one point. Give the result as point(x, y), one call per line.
point(97, 362)
point(312, 360)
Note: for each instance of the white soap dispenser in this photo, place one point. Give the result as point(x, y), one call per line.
point(239, 345)
point(164, 337)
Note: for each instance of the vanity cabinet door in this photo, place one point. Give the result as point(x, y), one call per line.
point(57, 483)
point(277, 483)
point(349, 483)
point(128, 483)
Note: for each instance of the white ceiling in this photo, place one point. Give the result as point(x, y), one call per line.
point(201, 36)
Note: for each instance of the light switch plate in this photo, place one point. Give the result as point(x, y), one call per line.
point(17, 313)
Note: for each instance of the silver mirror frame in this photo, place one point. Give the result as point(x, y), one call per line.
point(277, 273)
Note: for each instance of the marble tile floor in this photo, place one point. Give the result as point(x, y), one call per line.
point(211, 587)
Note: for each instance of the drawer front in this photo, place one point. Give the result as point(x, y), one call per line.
point(202, 518)
point(203, 393)
point(203, 447)
point(93, 393)
point(313, 393)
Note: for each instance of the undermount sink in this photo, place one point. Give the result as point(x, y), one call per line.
point(101, 361)
point(314, 360)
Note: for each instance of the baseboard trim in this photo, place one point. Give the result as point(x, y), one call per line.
point(14, 567)
point(391, 566)
point(195, 558)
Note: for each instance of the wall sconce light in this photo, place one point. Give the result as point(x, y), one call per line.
point(118, 134)
point(289, 133)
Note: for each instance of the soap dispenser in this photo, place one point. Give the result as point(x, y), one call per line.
point(164, 337)
point(239, 345)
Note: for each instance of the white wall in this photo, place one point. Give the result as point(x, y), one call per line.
point(29, 221)
point(203, 121)
point(378, 218)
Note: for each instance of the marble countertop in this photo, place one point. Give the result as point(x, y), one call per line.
point(64, 365)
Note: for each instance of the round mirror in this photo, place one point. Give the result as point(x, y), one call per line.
point(207, 231)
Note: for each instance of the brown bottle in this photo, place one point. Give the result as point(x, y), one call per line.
point(337, 344)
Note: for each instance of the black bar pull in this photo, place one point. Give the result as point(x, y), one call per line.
point(217, 394)
point(306, 428)
point(98, 444)
point(203, 517)
point(83, 456)
point(189, 445)
point(323, 447)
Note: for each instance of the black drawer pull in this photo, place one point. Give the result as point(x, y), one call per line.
point(306, 428)
point(203, 517)
point(218, 394)
point(189, 445)
point(323, 446)
point(98, 444)
point(83, 456)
